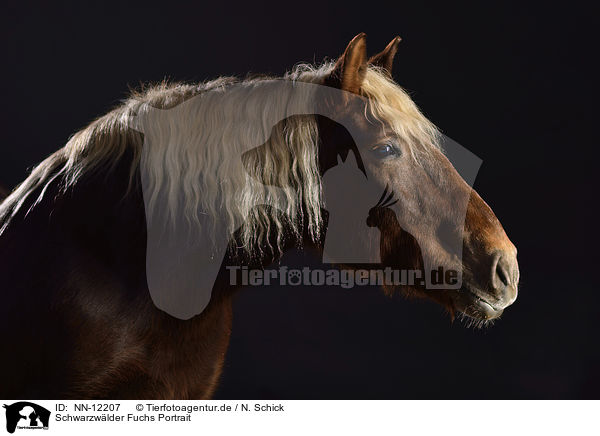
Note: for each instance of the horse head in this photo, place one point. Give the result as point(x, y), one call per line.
point(399, 148)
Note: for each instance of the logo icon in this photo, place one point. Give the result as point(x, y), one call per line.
point(26, 415)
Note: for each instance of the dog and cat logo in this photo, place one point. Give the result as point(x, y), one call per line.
point(26, 415)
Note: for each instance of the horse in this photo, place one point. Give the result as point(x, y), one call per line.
point(77, 313)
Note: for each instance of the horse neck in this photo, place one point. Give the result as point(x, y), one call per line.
point(269, 253)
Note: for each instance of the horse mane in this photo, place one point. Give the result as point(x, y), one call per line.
point(104, 142)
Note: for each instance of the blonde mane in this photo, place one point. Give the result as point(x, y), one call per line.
point(196, 173)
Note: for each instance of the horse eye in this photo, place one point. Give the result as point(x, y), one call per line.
point(384, 150)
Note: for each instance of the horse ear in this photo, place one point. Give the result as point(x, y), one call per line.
point(385, 59)
point(350, 69)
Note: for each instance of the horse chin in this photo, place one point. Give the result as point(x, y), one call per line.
point(464, 303)
point(475, 308)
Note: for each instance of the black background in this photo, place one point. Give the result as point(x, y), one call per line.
point(513, 83)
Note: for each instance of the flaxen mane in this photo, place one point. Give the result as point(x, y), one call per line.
point(192, 159)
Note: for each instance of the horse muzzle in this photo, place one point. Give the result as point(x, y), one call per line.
point(489, 301)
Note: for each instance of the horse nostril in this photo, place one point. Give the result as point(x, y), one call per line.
point(503, 273)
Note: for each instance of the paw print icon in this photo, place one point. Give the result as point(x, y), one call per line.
point(294, 277)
